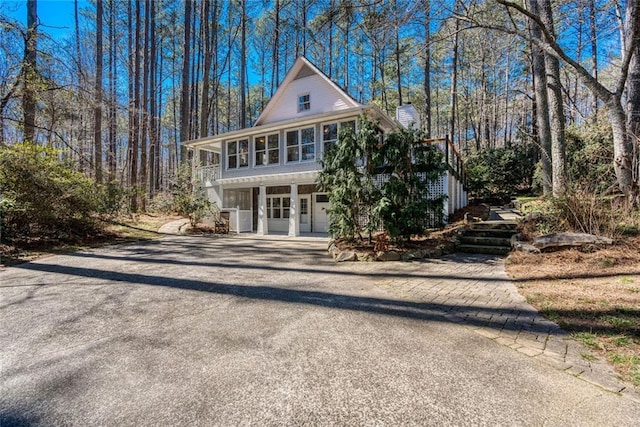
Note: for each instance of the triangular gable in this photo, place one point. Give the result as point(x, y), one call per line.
point(305, 78)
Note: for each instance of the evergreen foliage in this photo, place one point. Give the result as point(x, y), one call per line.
point(590, 157)
point(41, 195)
point(402, 206)
point(349, 183)
point(406, 206)
point(499, 173)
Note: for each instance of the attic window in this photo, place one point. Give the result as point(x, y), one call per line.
point(304, 103)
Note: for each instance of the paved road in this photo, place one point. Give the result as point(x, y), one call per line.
point(269, 331)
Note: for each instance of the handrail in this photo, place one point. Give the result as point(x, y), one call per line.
point(208, 174)
point(452, 157)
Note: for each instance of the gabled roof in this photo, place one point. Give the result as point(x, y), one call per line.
point(304, 68)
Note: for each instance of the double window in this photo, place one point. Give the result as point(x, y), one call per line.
point(238, 154)
point(301, 145)
point(278, 207)
point(304, 103)
point(330, 132)
point(267, 150)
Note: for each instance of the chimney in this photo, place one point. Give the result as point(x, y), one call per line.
point(408, 116)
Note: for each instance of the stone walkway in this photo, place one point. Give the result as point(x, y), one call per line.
point(481, 296)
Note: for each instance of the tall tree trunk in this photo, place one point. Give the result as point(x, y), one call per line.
point(130, 64)
point(184, 98)
point(29, 71)
point(145, 108)
point(275, 59)
point(80, 83)
point(454, 77)
point(632, 34)
point(97, 109)
point(207, 25)
point(243, 66)
point(427, 68)
point(556, 108)
point(332, 6)
point(154, 148)
point(135, 142)
point(397, 52)
point(542, 104)
point(594, 54)
point(113, 78)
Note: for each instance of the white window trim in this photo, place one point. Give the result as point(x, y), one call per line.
point(339, 123)
point(281, 208)
point(300, 104)
point(238, 167)
point(266, 151)
point(299, 131)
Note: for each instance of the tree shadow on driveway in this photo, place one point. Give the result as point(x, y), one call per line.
point(481, 315)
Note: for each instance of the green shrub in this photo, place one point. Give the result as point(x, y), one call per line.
point(402, 205)
point(43, 197)
point(113, 199)
point(590, 157)
point(162, 203)
point(499, 173)
point(190, 199)
point(406, 207)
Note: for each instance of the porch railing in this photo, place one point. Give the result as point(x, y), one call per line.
point(208, 175)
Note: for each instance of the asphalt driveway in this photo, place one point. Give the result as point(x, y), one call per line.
point(269, 331)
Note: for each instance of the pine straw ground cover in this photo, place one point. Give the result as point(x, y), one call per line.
point(435, 242)
point(594, 296)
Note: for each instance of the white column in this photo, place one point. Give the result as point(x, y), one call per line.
point(263, 222)
point(294, 220)
point(215, 195)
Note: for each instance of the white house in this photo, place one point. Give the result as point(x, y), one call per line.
point(267, 173)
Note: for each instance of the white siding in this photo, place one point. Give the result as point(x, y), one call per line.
point(408, 116)
point(324, 98)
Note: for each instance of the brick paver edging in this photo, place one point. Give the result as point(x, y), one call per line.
point(480, 295)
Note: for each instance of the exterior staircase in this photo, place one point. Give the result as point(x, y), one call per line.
point(487, 237)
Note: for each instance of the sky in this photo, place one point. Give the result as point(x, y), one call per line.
point(56, 16)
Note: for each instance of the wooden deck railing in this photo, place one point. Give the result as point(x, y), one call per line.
point(452, 157)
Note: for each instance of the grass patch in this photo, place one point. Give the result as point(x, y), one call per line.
point(618, 322)
point(629, 363)
point(586, 338)
point(622, 341)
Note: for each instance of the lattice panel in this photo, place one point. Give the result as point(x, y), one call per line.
point(435, 190)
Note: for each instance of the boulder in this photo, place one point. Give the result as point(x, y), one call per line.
point(346, 256)
point(364, 256)
point(560, 240)
point(388, 256)
point(525, 247)
point(333, 249)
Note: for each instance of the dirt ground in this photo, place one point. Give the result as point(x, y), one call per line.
point(595, 296)
point(115, 230)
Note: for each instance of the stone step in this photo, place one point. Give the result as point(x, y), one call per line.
point(486, 241)
point(482, 249)
point(489, 232)
point(494, 225)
